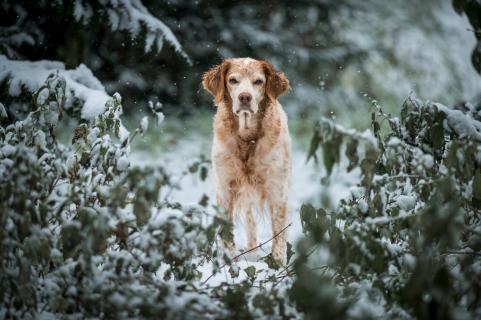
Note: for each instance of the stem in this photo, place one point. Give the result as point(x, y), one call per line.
point(462, 252)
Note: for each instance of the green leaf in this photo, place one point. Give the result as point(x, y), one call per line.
point(271, 262)
point(308, 216)
point(194, 167)
point(71, 239)
point(477, 185)
point(250, 271)
point(234, 271)
point(204, 201)
point(330, 152)
point(315, 141)
point(203, 173)
point(289, 252)
point(437, 136)
point(263, 302)
point(351, 154)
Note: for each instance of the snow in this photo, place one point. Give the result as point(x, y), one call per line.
point(40, 141)
point(406, 202)
point(362, 205)
point(462, 123)
point(406, 49)
point(366, 306)
point(30, 75)
point(7, 150)
point(123, 163)
point(160, 117)
point(144, 124)
point(305, 185)
point(42, 96)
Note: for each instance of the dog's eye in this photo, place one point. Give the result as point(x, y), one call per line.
point(233, 81)
point(258, 82)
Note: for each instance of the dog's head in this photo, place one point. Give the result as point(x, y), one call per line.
point(245, 83)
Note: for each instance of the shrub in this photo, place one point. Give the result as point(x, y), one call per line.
point(406, 242)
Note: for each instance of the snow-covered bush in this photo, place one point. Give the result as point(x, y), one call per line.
point(406, 242)
point(85, 234)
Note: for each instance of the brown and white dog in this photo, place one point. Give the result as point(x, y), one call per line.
point(251, 147)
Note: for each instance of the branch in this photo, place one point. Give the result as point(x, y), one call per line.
point(462, 252)
point(250, 250)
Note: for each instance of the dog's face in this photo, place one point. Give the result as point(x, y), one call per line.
point(245, 83)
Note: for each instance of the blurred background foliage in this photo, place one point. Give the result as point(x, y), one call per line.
point(338, 55)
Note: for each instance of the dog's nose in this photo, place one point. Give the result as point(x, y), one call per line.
point(245, 97)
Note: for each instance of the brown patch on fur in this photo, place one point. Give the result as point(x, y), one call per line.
point(276, 83)
point(214, 80)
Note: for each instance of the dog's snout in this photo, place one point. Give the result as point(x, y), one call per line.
point(245, 97)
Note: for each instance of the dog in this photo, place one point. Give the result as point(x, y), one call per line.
point(251, 147)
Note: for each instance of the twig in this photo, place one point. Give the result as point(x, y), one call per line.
point(286, 268)
point(462, 252)
point(250, 250)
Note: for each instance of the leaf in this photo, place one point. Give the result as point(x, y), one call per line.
point(141, 210)
point(204, 201)
point(71, 239)
point(289, 252)
point(351, 154)
point(167, 275)
point(203, 173)
point(477, 185)
point(308, 216)
point(194, 167)
point(117, 129)
point(315, 141)
point(437, 136)
point(271, 262)
point(250, 271)
point(368, 166)
point(85, 159)
point(330, 153)
point(234, 271)
point(263, 302)
point(376, 128)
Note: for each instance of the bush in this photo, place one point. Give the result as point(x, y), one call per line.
point(406, 242)
point(84, 234)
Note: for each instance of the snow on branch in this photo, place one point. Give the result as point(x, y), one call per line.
point(463, 123)
point(30, 75)
point(131, 16)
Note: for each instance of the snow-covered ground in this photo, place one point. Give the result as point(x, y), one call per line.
point(306, 186)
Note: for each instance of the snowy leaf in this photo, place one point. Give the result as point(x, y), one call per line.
point(250, 271)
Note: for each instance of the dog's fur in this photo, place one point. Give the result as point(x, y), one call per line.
point(251, 147)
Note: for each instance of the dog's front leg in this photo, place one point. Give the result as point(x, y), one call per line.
point(226, 202)
point(278, 213)
point(251, 230)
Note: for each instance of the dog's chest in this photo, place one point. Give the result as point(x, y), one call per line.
point(246, 150)
point(257, 163)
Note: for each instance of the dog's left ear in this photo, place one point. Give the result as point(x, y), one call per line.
point(214, 80)
point(276, 81)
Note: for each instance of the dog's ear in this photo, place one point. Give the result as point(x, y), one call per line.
point(276, 81)
point(214, 80)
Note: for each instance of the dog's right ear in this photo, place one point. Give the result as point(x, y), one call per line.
point(214, 80)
